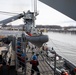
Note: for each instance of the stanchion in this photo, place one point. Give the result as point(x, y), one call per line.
point(24, 47)
point(53, 51)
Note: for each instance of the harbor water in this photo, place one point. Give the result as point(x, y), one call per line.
point(64, 45)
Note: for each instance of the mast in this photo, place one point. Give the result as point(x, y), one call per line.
point(35, 10)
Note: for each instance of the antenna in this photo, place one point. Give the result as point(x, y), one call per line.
point(35, 10)
point(35, 7)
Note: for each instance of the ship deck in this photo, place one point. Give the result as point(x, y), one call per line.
point(44, 68)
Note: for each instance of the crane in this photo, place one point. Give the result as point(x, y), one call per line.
point(28, 18)
point(30, 29)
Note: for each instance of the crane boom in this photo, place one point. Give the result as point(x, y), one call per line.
point(11, 19)
point(29, 19)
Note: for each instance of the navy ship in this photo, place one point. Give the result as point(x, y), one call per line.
point(17, 48)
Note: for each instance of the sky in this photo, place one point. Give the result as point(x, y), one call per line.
point(47, 15)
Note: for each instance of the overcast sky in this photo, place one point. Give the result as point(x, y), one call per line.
point(47, 15)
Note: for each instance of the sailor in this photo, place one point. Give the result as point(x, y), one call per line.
point(63, 72)
point(73, 72)
point(4, 69)
point(1, 64)
point(35, 64)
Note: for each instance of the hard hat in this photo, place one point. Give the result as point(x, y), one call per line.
point(23, 55)
point(18, 50)
point(18, 43)
point(62, 70)
point(34, 57)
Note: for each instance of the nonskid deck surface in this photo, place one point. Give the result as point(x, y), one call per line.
point(43, 66)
